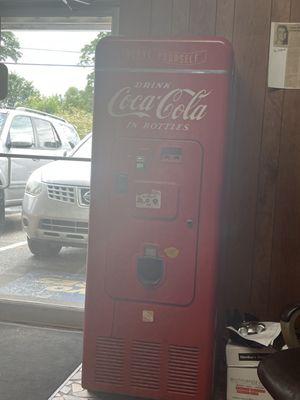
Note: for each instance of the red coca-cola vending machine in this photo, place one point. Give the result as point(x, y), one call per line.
point(161, 111)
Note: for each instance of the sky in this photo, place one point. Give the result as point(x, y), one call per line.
point(66, 46)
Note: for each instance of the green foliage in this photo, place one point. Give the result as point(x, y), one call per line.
point(19, 91)
point(78, 98)
point(9, 47)
point(87, 57)
point(81, 119)
point(68, 107)
point(76, 106)
point(49, 104)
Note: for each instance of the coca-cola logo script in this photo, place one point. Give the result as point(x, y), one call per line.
point(176, 105)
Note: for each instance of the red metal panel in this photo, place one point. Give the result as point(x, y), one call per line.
point(162, 225)
point(159, 137)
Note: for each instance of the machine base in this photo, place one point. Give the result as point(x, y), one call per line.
point(71, 389)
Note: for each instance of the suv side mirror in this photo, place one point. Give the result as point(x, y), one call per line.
point(3, 81)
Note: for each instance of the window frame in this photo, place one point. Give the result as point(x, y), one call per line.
point(8, 138)
point(16, 17)
point(38, 143)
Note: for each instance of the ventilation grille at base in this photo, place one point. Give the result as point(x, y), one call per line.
point(109, 361)
point(183, 369)
point(142, 366)
point(145, 365)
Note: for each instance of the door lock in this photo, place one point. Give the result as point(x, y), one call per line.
point(189, 223)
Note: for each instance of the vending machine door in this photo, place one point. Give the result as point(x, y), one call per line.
point(155, 196)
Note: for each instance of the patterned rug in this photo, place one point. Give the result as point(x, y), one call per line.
point(71, 389)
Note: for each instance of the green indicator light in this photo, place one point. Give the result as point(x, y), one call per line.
point(140, 162)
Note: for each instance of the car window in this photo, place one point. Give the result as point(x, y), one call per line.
point(46, 135)
point(21, 130)
point(70, 134)
point(85, 150)
point(2, 120)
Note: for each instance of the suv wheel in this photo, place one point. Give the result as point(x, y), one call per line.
point(2, 211)
point(43, 248)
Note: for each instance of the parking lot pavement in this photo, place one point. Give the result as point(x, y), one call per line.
point(58, 280)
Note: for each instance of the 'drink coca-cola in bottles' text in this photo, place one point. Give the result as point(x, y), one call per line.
point(160, 105)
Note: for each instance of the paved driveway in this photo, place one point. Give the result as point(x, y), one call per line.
point(58, 280)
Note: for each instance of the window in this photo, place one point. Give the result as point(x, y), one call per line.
point(36, 291)
point(2, 120)
point(21, 130)
point(85, 150)
point(46, 135)
point(69, 134)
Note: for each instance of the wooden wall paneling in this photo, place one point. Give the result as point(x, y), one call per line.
point(161, 17)
point(135, 18)
point(281, 10)
point(267, 184)
point(203, 17)
point(224, 27)
point(295, 10)
point(180, 16)
point(285, 276)
point(250, 41)
point(225, 18)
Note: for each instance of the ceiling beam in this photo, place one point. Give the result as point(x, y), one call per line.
point(56, 23)
point(55, 8)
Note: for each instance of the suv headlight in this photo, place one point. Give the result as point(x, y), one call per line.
point(34, 184)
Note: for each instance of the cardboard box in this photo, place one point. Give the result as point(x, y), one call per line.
point(242, 380)
point(240, 356)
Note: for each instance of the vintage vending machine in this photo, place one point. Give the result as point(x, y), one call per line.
point(161, 111)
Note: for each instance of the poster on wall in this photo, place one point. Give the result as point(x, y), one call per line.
point(284, 56)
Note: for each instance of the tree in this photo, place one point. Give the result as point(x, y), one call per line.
point(49, 104)
point(19, 91)
point(75, 105)
point(77, 98)
point(87, 57)
point(69, 107)
point(9, 47)
point(81, 119)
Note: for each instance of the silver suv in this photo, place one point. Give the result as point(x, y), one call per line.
point(28, 132)
point(56, 203)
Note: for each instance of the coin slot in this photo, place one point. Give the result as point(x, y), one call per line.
point(150, 270)
point(171, 154)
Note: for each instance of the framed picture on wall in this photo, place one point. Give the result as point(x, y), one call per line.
point(284, 56)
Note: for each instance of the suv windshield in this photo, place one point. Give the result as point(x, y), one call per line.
point(2, 120)
point(85, 150)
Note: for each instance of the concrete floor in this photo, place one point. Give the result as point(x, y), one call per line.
point(35, 361)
